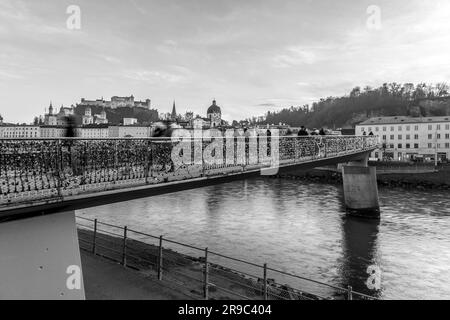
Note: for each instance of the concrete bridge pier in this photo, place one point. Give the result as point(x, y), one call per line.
point(40, 258)
point(360, 188)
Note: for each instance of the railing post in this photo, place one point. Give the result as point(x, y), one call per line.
point(349, 293)
point(124, 247)
point(94, 241)
point(160, 258)
point(206, 277)
point(265, 282)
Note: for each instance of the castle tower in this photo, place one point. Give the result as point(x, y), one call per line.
point(50, 109)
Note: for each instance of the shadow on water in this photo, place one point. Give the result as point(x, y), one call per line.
point(359, 239)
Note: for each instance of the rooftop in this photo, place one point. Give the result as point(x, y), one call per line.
point(404, 119)
point(214, 108)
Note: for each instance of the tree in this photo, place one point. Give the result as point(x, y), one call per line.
point(390, 99)
point(420, 91)
point(442, 89)
point(355, 92)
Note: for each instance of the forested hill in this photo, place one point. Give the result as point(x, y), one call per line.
point(388, 100)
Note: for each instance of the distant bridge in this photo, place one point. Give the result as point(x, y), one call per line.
point(43, 175)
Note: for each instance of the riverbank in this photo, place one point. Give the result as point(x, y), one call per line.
point(439, 180)
point(185, 273)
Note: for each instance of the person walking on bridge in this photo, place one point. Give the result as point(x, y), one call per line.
point(302, 132)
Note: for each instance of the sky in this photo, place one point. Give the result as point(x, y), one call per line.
point(251, 56)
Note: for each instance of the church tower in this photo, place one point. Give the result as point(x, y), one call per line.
point(214, 114)
point(173, 116)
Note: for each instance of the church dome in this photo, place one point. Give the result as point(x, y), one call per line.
point(214, 108)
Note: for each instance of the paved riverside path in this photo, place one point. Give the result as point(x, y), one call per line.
point(107, 280)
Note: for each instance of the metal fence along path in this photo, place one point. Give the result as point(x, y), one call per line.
point(205, 274)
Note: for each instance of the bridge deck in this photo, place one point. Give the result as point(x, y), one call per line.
point(39, 176)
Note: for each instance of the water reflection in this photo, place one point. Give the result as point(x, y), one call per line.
point(359, 251)
point(302, 228)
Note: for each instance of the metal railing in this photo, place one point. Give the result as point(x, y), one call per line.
point(203, 273)
point(41, 170)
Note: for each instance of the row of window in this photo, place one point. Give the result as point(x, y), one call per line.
point(416, 136)
point(20, 135)
point(416, 146)
point(407, 128)
point(21, 129)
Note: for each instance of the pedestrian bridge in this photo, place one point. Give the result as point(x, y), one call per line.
point(41, 175)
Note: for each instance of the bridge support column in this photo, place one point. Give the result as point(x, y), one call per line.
point(360, 189)
point(40, 259)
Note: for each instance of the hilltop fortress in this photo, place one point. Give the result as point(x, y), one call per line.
point(116, 102)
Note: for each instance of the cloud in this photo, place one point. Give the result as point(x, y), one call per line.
point(266, 105)
point(139, 8)
point(295, 56)
point(153, 77)
point(9, 75)
point(109, 59)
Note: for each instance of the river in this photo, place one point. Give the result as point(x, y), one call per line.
point(301, 227)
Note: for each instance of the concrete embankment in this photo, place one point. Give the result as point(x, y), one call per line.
point(395, 176)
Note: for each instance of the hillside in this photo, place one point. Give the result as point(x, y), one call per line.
point(115, 116)
point(388, 100)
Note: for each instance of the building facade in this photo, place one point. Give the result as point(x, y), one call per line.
point(93, 131)
point(58, 119)
point(409, 138)
point(130, 131)
point(20, 131)
point(130, 121)
point(87, 118)
point(53, 131)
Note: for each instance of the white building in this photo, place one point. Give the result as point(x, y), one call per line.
point(200, 123)
point(130, 131)
point(20, 131)
point(101, 118)
point(407, 138)
point(129, 121)
point(58, 119)
point(87, 119)
point(53, 131)
point(92, 131)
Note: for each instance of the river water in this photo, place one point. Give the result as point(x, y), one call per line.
point(301, 227)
